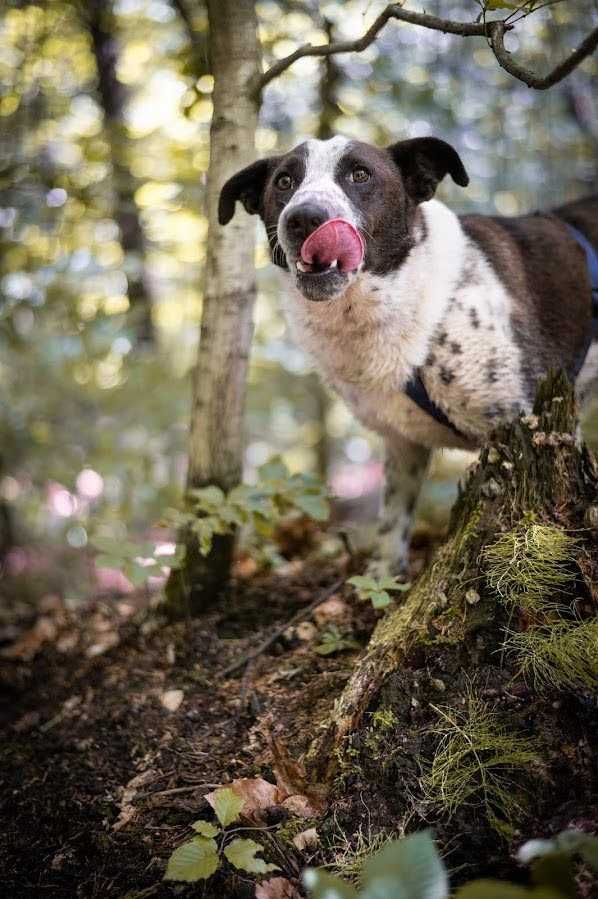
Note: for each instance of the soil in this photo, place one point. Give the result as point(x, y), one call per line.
point(100, 781)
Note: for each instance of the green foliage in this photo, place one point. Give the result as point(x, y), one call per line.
point(377, 590)
point(333, 641)
point(474, 761)
point(406, 869)
point(137, 560)
point(277, 494)
point(562, 654)
point(201, 856)
point(411, 868)
point(529, 565)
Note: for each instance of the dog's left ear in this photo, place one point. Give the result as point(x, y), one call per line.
point(424, 161)
point(246, 186)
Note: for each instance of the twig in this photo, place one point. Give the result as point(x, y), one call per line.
point(392, 11)
point(297, 617)
point(505, 60)
point(494, 31)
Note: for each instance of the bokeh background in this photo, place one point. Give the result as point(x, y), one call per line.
point(104, 123)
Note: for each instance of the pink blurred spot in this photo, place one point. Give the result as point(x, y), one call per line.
point(90, 484)
point(113, 579)
point(352, 481)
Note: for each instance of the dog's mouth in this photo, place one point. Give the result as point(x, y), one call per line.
point(328, 257)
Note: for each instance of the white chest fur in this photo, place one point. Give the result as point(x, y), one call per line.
point(443, 312)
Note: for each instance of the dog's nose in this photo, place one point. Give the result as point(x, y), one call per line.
point(304, 219)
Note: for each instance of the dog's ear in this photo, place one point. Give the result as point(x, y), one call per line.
point(424, 161)
point(246, 186)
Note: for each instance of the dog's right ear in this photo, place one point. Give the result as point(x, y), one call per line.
point(246, 186)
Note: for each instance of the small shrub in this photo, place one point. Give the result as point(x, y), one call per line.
point(377, 590)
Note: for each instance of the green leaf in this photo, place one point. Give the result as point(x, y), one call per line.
point(195, 860)
point(209, 498)
point(138, 574)
point(496, 889)
point(391, 583)
point(205, 828)
point(274, 469)
point(104, 561)
point(242, 854)
point(322, 885)
point(406, 869)
point(380, 599)
point(316, 507)
point(361, 582)
point(227, 804)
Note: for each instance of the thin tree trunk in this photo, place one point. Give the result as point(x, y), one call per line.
point(216, 441)
point(113, 96)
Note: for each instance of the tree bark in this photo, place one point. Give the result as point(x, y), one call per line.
point(113, 97)
point(216, 440)
point(453, 634)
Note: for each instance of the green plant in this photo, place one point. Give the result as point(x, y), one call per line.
point(563, 654)
point(474, 759)
point(411, 868)
point(333, 641)
point(377, 590)
point(137, 560)
point(260, 507)
point(202, 855)
point(529, 565)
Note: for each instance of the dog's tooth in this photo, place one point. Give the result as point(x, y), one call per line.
point(302, 266)
point(334, 263)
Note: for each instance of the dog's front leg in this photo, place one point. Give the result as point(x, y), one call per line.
point(405, 467)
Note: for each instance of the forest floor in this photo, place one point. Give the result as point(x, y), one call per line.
point(116, 726)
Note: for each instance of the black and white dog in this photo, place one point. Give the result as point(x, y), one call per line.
point(433, 327)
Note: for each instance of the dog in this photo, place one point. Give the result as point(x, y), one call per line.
point(433, 327)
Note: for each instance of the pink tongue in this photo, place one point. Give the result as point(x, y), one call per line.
point(335, 239)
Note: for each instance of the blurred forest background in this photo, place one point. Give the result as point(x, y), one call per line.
point(104, 147)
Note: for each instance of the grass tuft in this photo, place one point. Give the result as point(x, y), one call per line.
point(563, 655)
point(351, 852)
point(475, 761)
point(530, 565)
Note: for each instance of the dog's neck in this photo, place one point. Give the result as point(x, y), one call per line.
point(379, 330)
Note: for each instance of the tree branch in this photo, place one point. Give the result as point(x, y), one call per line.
point(496, 35)
point(493, 31)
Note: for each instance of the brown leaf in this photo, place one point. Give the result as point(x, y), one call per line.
point(30, 643)
point(334, 609)
point(304, 806)
point(276, 888)
point(257, 795)
point(306, 839)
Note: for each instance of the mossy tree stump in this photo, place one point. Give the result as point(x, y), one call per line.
point(446, 707)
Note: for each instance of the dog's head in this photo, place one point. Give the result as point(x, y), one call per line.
point(369, 196)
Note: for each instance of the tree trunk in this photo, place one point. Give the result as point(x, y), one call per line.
point(113, 97)
point(469, 690)
point(216, 449)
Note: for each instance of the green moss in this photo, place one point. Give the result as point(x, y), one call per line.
point(384, 719)
point(529, 565)
point(474, 764)
point(562, 655)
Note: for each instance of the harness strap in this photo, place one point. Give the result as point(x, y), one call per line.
point(416, 391)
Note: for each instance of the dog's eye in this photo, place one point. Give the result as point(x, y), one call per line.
point(359, 175)
point(284, 181)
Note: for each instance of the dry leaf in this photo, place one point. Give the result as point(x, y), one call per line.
point(30, 643)
point(334, 609)
point(257, 794)
point(306, 839)
point(276, 888)
point(127, 810)
point(302, 806)
point(107, 641)
point(172, 699)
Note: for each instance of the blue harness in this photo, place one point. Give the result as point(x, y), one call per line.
point(415, 388)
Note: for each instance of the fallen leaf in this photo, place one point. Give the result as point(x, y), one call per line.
point(334, 609)
point(276, 888)
point(172, 699)
point(107, 641)
point(306, 839)
point(302, 806)
point(127, 810)
point(30, 643)
point(257, 794)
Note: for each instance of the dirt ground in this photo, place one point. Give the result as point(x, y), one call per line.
point(115, 726)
